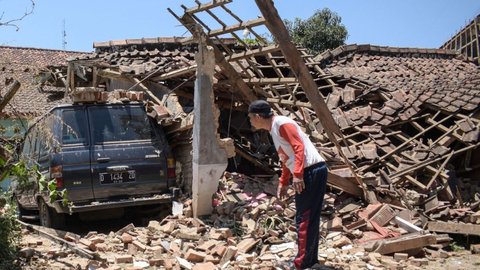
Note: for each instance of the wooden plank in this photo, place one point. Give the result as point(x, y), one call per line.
point(405, 243)
point(428, 162)
point(344, 184)
point(271, 80)
point(203, 7)
point(439, 170)
point(294, 58)
point(453, 227)
point(73, 246)
point(398, 148)
point(12, 89)
point(220, 60)
point(231, 29)
point(250, 53)
point(176, 73)
point(237, 27)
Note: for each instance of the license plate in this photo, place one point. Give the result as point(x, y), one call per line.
point(117, 177)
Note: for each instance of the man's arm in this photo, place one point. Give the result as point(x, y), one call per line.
point(290, 134)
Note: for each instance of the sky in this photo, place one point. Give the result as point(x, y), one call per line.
point(396, 23)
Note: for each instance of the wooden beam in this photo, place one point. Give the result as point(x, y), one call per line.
point(229, 29)
point(454, 227)
point(12, 89)
point(251, 53)
point(203, 7)
point(149, 93)
point(404, 243)
point(220, 60)
point(428, 162)
point(289, 102)
point(343, 184)
point(106, 73)
point(294, 58)
point(271, 80)
point(236, 27)
point(256, 162)
point(439, 170)
point(73, 246)
point(175, 73)
point(62, 77)
point(398, 148)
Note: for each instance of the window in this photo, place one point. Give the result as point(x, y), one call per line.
point(120, 123)
point(74, 127)
point(28, 146)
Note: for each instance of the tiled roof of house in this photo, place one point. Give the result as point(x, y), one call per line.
point(24, 64)
point(437, 77)
point(146, 55)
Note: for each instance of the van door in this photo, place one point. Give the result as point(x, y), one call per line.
point(127, 157)
point(73, 156)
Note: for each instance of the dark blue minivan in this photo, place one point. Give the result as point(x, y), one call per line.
point(105, 155)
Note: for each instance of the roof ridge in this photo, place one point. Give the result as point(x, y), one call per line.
point(40, 49)
point(362, 48)
point(145, 41)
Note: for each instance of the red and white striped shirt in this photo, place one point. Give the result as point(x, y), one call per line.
point(294, 148)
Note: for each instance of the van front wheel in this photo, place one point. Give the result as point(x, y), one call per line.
point(19, 211)
point(49, 217)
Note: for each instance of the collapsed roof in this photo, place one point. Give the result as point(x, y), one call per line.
point(406, 115)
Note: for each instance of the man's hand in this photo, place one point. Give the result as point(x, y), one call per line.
point(298, 185)
point(282, 191)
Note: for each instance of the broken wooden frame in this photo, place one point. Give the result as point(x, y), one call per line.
point(375, 137)
point(389, 137)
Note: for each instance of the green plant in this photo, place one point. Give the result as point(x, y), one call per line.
point(51, 188)
point(10, 234)
point(269, 223)
point(23, 175)
point(237, 229)
point(454, 246)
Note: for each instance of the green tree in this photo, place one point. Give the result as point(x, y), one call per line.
point(323, 30)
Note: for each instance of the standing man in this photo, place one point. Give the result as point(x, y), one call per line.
point(301, 159)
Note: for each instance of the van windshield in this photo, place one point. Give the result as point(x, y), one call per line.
point(120, 123)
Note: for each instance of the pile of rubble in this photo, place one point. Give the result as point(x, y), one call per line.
point(251, 229)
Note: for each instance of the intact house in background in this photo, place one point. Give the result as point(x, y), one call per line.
point(33, 98)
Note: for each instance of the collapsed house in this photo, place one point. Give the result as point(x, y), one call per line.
point(408, 118)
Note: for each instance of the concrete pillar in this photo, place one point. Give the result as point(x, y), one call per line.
point(209, 159)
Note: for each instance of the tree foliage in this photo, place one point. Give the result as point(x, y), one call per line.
point(323, 30)
point(9, 234)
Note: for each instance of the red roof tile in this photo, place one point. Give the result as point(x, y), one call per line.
point(23, 64)
point(430, 75)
